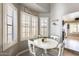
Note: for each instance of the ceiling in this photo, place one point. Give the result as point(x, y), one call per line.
point(45, 8)
point(39, 7)
point(71, 16)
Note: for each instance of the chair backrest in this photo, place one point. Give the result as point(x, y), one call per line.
point(55, 37)
point(31, 47)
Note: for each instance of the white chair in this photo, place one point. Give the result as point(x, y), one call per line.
point(57, 51)
point(31, 47)
point(60, 45)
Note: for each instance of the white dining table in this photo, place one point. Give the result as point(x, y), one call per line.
point(49, 44)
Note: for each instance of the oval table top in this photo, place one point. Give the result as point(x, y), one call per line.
point(49, 44)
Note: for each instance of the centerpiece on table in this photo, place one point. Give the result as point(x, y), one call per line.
point(44, 39)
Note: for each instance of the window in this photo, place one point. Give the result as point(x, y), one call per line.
point(74, 27)
point(10, 26)
point(44, 26)
point(34, 26)
point(25, 26)
point(78, 27)
point(29, 26)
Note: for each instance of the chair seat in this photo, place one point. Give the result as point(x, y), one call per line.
point(53, 52)
point(39, 51)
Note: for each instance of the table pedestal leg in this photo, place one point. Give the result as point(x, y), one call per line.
point(45, 51)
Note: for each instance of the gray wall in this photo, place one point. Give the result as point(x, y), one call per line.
point(57, 11)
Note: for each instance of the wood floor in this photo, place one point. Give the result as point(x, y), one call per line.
point(70, 53)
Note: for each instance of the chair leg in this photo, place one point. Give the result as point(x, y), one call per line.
point(34, 50)
point(45, 51)
point(59, 53)
point(62, 52)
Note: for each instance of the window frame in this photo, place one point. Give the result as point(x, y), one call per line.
point(6, 41)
